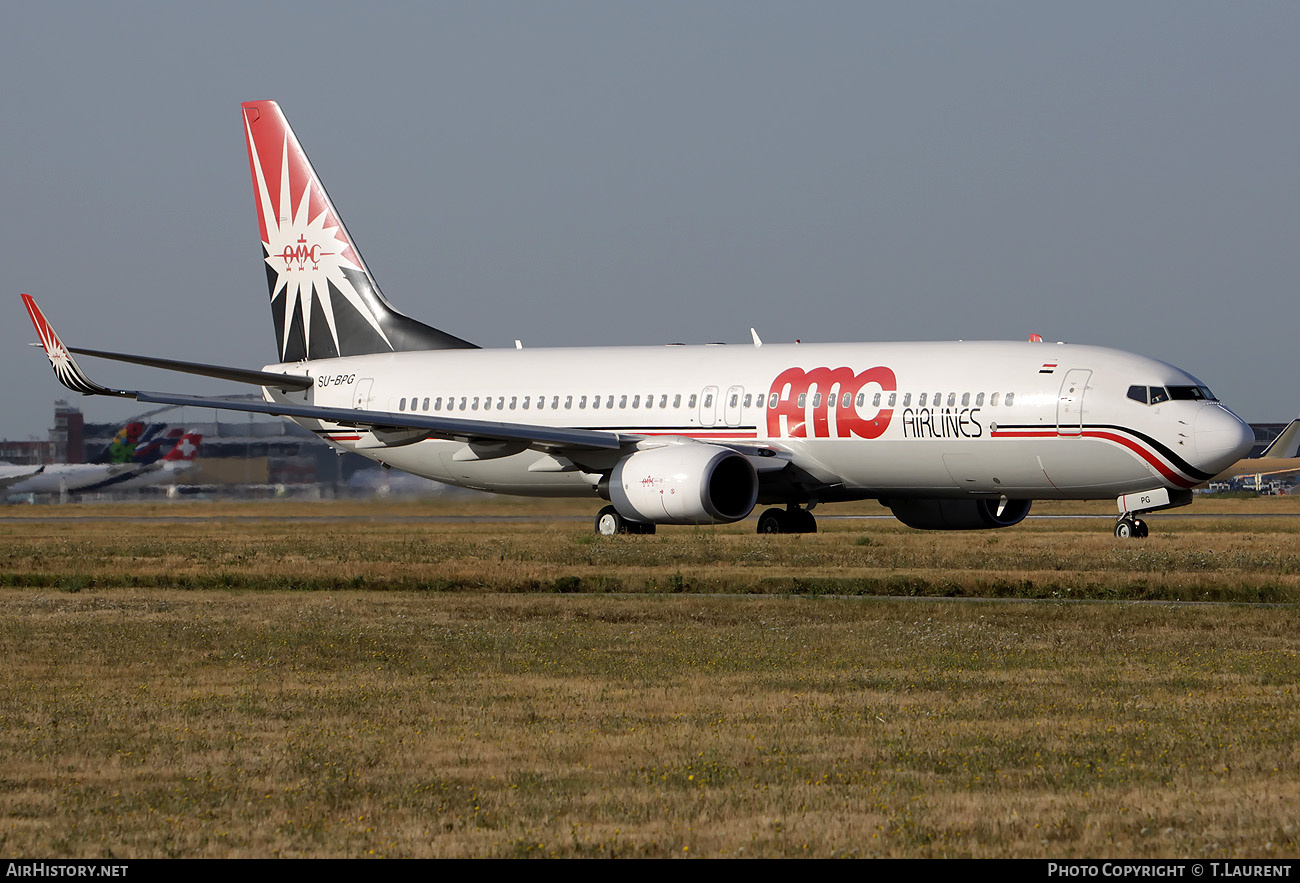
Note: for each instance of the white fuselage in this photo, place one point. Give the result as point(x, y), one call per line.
point(887, 420)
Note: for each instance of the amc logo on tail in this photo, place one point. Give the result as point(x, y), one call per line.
point(822, 393)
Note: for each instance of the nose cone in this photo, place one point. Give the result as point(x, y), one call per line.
point(1222, 438)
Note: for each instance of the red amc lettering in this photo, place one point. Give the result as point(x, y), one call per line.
point(824, 390)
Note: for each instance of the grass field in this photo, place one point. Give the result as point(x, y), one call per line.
point(237, 681)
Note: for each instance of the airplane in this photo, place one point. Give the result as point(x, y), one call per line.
point(134, 450)
point(1281, 457)
point(166, 469)
point(949, 436)
point(11, 474)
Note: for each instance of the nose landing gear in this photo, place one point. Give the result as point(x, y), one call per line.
point(1130, 527)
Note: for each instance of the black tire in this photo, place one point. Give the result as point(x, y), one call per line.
point(1125, 529)
point(772, 521)
point(1139, 528)
point(803, 521)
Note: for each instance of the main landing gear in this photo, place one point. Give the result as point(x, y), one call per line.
point(792, 519)
point(609, 523)
point(1130, 527)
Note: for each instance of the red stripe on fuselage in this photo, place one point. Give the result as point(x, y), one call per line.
point(1143, 452)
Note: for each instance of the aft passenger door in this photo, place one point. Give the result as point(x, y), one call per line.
point(1069, 407)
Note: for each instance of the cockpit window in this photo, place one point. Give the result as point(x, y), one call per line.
point(1190, 394)
point(1154, 395)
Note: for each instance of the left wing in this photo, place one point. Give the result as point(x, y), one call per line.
point(404, 428)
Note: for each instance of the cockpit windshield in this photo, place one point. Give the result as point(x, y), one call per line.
point(1154, 395)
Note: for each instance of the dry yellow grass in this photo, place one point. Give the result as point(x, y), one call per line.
point(153, 721)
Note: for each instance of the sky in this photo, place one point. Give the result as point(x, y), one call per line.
point(1117, 173)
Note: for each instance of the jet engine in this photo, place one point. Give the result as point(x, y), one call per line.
point(981, 514)
point(684, 484)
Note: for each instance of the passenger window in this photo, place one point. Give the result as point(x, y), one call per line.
point(965, 400)
point(474, 406)
point(568, 402)
point(636, 401)
point(875, 400)
point(501, 403)
point(846, 400)
point(525, 403)
point(595, 401)
point(893, 396)
point(735, 400)
point(708, 400)
point(907, 400)
point(979, 400)
point(514, 402)
point(952, 399)
point(437, 403)
point(555, 402)
point(690, 403)
point(401, 406)
point(749, 398)
point(802, 400)
point(463, 399)
point(1011, 397)
point(622, 401)
point(862, 399)
point(582, 403)
point(677, 400)
point(487, 403)
point(817, 400)
point(609, 402)
point(771, 402)
point(921, 402)
point(993, 400)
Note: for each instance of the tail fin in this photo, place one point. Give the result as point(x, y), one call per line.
point(1287, 443)
point(122, 446)
point(324, 300)
point(153, 445)
point(185, 449)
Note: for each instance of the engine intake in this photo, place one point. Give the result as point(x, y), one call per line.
point(684, 484)
point(981, 514)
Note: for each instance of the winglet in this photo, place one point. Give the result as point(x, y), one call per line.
point(65, 368)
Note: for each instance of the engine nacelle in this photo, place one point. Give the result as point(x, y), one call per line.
point(981, 514)
point(684, 484)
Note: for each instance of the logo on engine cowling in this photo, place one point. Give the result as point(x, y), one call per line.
point(803, 403)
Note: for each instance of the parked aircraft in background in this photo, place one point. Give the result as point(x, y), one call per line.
point(137, 456)
point(11, 474)
point(1280, 458)
point(947, 435)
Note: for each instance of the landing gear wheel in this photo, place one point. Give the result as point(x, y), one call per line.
point(802, 521)
point(1129, 527)
point(609, 522)
point(792, 520)
point(772, 521)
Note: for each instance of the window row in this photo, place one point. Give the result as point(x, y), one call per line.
point(567, 402)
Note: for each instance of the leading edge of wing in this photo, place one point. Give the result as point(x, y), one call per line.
point(449, 428)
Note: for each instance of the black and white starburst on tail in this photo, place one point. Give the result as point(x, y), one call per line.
point(316, 269)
